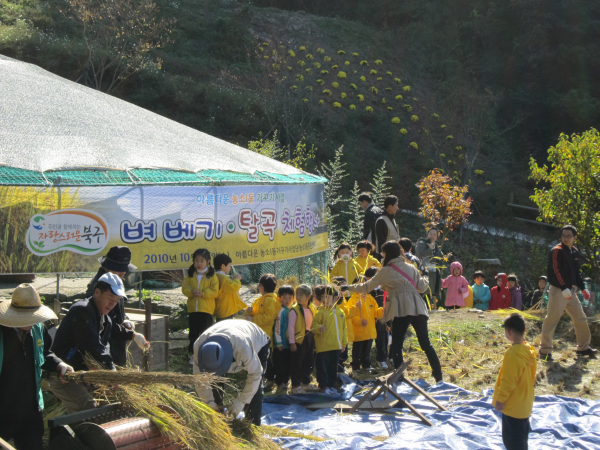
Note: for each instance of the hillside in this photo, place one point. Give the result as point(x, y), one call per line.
point(483, 104)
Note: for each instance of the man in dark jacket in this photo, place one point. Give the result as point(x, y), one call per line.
point(564, 276)
point(116, 261)
point(386, 228)
point(372, 213)
point(86, 330)
point(24, 353)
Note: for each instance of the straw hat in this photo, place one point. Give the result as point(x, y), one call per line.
point(25, 308)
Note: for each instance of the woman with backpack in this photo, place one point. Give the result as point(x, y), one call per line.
point(404, 305)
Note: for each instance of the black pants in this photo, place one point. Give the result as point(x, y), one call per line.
point(281, 365)
point(26, 434)
point(342, 359)
point(419, 323)
point(199, 323)
point(515, 433)
point(253, 410)
point(327, 363)
point(361, 354)
point(302, 361)
point(270, 371)
point(381, 344)
point(225, 318)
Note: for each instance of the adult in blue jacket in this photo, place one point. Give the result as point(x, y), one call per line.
point(24, 353)
point(481, 292)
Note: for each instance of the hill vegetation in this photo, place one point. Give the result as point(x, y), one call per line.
point(482, 85)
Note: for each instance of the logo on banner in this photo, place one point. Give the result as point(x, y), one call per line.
point(75, 230)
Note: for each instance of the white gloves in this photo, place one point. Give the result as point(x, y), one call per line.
point(237, 408)
point(567, 293)
point(63, 369)
point(141, 341)
point(128, 324)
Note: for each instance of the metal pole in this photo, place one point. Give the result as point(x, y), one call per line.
point(140, 291)
point(147, 357)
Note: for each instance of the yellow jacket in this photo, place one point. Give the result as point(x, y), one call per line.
point(349, 271)
point(370, 311)
point(300, 326)
point(264, 312)
point(469, 299)
point(350, 311)
point(228, 301)
point(209, 288)
point(365, 263)
point(514, 386)
point(335, 336)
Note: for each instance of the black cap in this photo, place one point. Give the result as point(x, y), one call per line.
point(118, 259)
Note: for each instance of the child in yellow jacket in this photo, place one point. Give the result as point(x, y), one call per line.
point(228, 301)
point(201, 287)
point(514, 392)
point(365, 258)
point(331, 337)
point(345, 266)
point(364, 328)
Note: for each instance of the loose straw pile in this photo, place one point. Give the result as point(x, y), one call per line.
point(525, 314)
point(129, 376)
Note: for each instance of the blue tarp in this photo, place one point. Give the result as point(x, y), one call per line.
point(472, 423)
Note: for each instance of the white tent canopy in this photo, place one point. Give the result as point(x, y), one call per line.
point(50, 123)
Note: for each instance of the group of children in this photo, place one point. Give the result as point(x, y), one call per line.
point(312, 327)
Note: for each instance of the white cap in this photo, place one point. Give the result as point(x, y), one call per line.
point(116, 285)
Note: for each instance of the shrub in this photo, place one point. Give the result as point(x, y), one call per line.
point(327, 58)
point(443, 127)
point(361, 97)
point(369, 109)
point(341, 52)
point(276, 67)
point(390, 108)
point(406, 88)
point(337, 105)
point(443, 155)
point(435, 116)
point(362, 78)
point(291, 53)
point(335, 84)
point(378, 62)
point(341, 75)
point(347, 63)
point(374, 90)
point(343, 95)
point(389, 73)
point(353, 107)
point(379, 78)
point(324, 72)
point(305, 100)
point(321, 82)
point(299, 78)
point(373, 72)
point(317, 65)
point(326, 92)
point(309, 71)
point(408, 108)
point(414, 118)
point(398, 97)
point(309, 88)
point(309, 56)
point(334, 67)
point(261, 49)
point(364, 63)
point(388, 89)
point(397, 80)
point(302, 48)
point(488, 183)
point(321, 101)
point(449, 138)
point(355, 54)
point(301, 63)
point(414, 145)
point(479, 172)
point(403, 131)
point(396, 120)
point(353, 86)
point(294, 88)
point(383, 100)
point(320, 50)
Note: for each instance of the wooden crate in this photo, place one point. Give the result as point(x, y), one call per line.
point(159, 338)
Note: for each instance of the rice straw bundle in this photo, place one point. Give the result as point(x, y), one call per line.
point(131, 376)
point(525, 314)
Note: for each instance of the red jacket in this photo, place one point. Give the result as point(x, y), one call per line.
point(501, 297)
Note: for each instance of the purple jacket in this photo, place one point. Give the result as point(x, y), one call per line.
point(516, 298)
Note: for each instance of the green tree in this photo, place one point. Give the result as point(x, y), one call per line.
point(357, 216)
point(334, 172)
point(570, 191)
point(379, 187)
point(300, 157)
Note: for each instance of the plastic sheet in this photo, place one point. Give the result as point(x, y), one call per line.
point(472, 423)
point(48, 122)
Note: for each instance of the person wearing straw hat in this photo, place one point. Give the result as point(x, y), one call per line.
point(118, 261)
point(232, 346)
point(24, 353)
point(85, 330)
